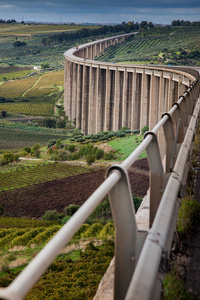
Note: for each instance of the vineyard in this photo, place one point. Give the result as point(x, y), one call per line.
point(34, 194)
point(165, 45)
point(21, 239)
point(24, 175)
point(11, 138)
point(11, 237)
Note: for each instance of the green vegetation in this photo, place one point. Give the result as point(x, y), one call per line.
point(188, 215)
point(36, 173)
point(174, 288)
point(125, 146)
point(68, 279)
point(170, 45)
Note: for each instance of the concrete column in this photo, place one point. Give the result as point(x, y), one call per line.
point(129, 97)
point(93, 52)
point(96, 97)
point(162, 109)
point(85, 53)
point(125, 100)
point(74, 91)
point(133, 100)
point(182, 89)
point(137, 101)
point(99, 104)
point(161, 104)
point(89, 52)
point(154, 96)
point(175, 97)
point(117, 100)
point(69, 90)
point(65, 85)
point(144, 101)
point(107, 101)
point(85, 93)
point(170, 99)
point(91, 102)
point(79, 97)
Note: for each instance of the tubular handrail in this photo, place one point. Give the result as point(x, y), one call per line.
point(117, 176)
point(145, 273)
point(27, 278)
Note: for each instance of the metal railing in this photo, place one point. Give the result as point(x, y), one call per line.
point(138, 255)
point(127, 258)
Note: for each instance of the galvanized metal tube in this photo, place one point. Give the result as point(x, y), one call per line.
point(157, 237)
point(29, 276)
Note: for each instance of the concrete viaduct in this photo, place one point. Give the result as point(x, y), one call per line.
point(104, 96)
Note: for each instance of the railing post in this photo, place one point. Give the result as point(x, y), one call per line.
point(179, 120)
point(170, 138)
point(125, 232)
point(156, 175)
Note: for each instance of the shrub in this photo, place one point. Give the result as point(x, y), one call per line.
point(188, 214)
point(80, 140)
point(15, 157)
point(23, 153)
point(4, 113)
point(99, 153)
point(137, 201)
point(74, 156)
point(36, 147)
point(144, 129)
point(65, 219)
point(58, 143)
point(108, 156)
point(61, 123)
point(63, 156)
point(52, 215)
point(8, 157)
point(90, 158)
point(27, 149)
point(137, 131)
point(3, 162)
point(51, 143)
point(71, 148)
point(35, 153)
point(71, 209)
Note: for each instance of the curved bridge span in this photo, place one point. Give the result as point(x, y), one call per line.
point(103, 96)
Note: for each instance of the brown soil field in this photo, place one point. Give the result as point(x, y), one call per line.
point(33, 201)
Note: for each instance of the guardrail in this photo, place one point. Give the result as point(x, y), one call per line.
point(138, 263)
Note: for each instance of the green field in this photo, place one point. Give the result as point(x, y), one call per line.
point(159, 45)
point(126, 145)
point(23, 175)
point(30, 29)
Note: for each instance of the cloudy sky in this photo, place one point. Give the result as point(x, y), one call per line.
point(100, 11)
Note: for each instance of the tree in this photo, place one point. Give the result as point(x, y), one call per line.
point(61, 123)
point(49, 123)
point(4, 113)
point(45, 65)
point(19, 44)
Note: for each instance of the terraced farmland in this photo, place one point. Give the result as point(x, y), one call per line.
point(158, 45)
point(24, 175)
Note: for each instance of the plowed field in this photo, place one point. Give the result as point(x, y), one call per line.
point(33, 201)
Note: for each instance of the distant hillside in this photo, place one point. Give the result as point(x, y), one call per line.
point(171, 45)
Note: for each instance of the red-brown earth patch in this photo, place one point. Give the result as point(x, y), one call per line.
point(33, 201)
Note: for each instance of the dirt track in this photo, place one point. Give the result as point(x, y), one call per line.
point(33, 201)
